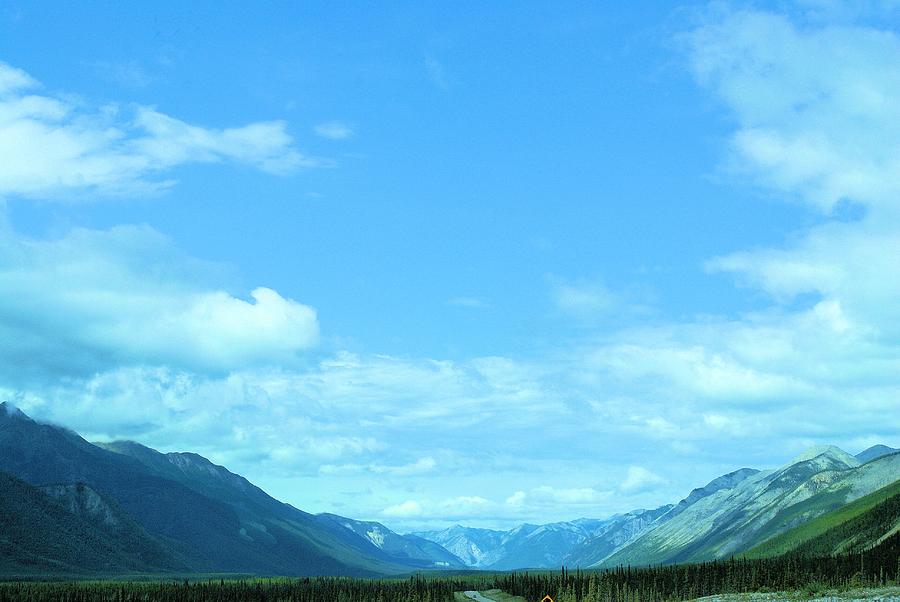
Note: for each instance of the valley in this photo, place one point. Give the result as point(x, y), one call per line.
point(123, 511)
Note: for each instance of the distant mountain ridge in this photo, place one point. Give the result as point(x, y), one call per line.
point(541, 546)
point(73, 507)
point(731, 514)
point(875, 452)
point(416, 551)
point(177, 511)
point(475, 547)
point(759, 507)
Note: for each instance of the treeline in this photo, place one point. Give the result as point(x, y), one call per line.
point(878, 566)
point(856, 533)
point(307, 589)
point(875, 567)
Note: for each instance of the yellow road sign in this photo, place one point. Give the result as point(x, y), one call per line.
point(547, 599)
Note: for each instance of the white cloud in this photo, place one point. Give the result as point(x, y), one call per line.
point(592, 302)
point(640, 479)
point(718, 421)
point(13, 80)
point(823, 134)
point(535, 505)
point(94, 300)
point(419, 467)
point(517, 499)
point(317, 448)
point(447, 509)
point(52, 145)
point(333, 130)
point(407, 509)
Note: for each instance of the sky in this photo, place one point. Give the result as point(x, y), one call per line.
point(479, 263)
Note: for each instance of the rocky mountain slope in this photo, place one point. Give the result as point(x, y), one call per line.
point(76, 507)
point(477, 548)
point(203, 517)
point(413, 550)
point(854, 527)
point(759, 507)
point(542, 546)
point(729, 515)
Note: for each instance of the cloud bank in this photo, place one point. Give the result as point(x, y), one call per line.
point(98, 300)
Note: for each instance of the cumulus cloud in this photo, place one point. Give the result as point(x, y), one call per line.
point(640, 479)
point(446, 509)
point(95, 300)
point(547, 496)
point(52, 145)
point(407, 509)
point(12, 79)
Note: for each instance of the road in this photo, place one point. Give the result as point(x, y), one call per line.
point(477, 596)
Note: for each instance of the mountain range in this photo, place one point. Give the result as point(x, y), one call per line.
point(732, 514)
point(77, 507)
point(73, 507)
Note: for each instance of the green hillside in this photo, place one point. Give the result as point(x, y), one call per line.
point(287, 530)
point(211, 525)
point(41, 535)
point(851, 527)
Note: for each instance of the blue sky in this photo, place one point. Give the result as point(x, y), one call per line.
point(487, 264)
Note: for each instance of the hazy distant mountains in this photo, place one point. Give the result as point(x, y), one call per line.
point(74, 507)
point(410, 549)
point(730, 515)
point(549, 545)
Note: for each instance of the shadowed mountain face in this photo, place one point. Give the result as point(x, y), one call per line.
point(73, 529)
point(874, 452)
point(204, 517)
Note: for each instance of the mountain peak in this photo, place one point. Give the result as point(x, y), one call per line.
point(876, 451)
point(9, 410)
point(831, 452)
